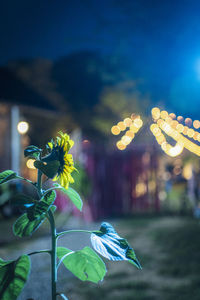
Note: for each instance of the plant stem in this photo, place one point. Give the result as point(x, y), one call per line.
point(39, 182)
point(53, 241)
point(73, 230)
point(40, 251)
point(53, 255)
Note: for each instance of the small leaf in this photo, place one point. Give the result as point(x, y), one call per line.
point(72, 194)
point(84, 264)
point(49, 169)
point(32, 152)
point(42, 206)
point(7, 175)
point(29, 222)
point(13, 276)
point(110, 245)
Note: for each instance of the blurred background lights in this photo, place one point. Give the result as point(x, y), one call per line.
point(22, 127)
point(164, 114)
point(155, 113)
point(196, 124)
point(115, 130)
point(30, 164)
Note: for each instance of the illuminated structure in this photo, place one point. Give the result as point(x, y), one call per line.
point(164, 125)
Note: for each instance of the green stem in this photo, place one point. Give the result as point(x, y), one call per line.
point(53, 255)
point(39, 183)
point(74, 230)
point(40, 251)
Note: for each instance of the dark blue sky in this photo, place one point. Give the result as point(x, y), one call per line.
point(159, 40)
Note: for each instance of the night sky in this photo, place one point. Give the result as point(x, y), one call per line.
point(158, 40)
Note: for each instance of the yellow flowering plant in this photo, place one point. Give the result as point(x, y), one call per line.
point(85, 263)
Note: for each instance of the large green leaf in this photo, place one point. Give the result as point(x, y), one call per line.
point(26, 224)
point(13, 276)
point(7, 175)
point(84, 264)
point(72, 194)
point(110, 245)
point(49, 169)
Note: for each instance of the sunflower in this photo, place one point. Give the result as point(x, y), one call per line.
point(59, 152)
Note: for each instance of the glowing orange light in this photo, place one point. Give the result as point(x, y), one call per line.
point(180, 118)
point(121, 125)
point(164, 114)
point(120, 145)
point(196, 124)
point(188, 121)
point(155, 113)
point(127, 122)
point(115, 130)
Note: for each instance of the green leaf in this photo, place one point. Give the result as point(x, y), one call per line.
point(13, 276)
point(29, 222)
point(42, 206)
point(72, 194)
point(84, 264)
point(110, 245)
point(49, 169)
point(7, 175)
point(32, 152)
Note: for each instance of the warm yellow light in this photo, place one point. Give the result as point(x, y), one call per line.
point(156, 131)
point(180, 118)
point(190, 132)
point(121, 125)
point(164, 114)
point(130, 134)
point(138, 122)
point(127, 122)
point(140, 189)
point(155, 113)
point(172, 115)
point(187, 171)
point(115, 130)
point(185, 130)
point(120, 146)
point(176, 150)
point(22, 127)
point(174, 124)
point(153, 127)
point(133, 128)
point(164, 146)
point(160, 122)
point(161, 139)
point(30, 164)
point(168, 120)
point(180, 127)
point(196, 124)
point(126, 140)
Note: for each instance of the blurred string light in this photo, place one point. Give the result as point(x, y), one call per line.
point(30, 163)
point(167, 123)
point(22, 127)
point(132, 125)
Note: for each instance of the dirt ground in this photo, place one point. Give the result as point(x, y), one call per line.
point(122, 281)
